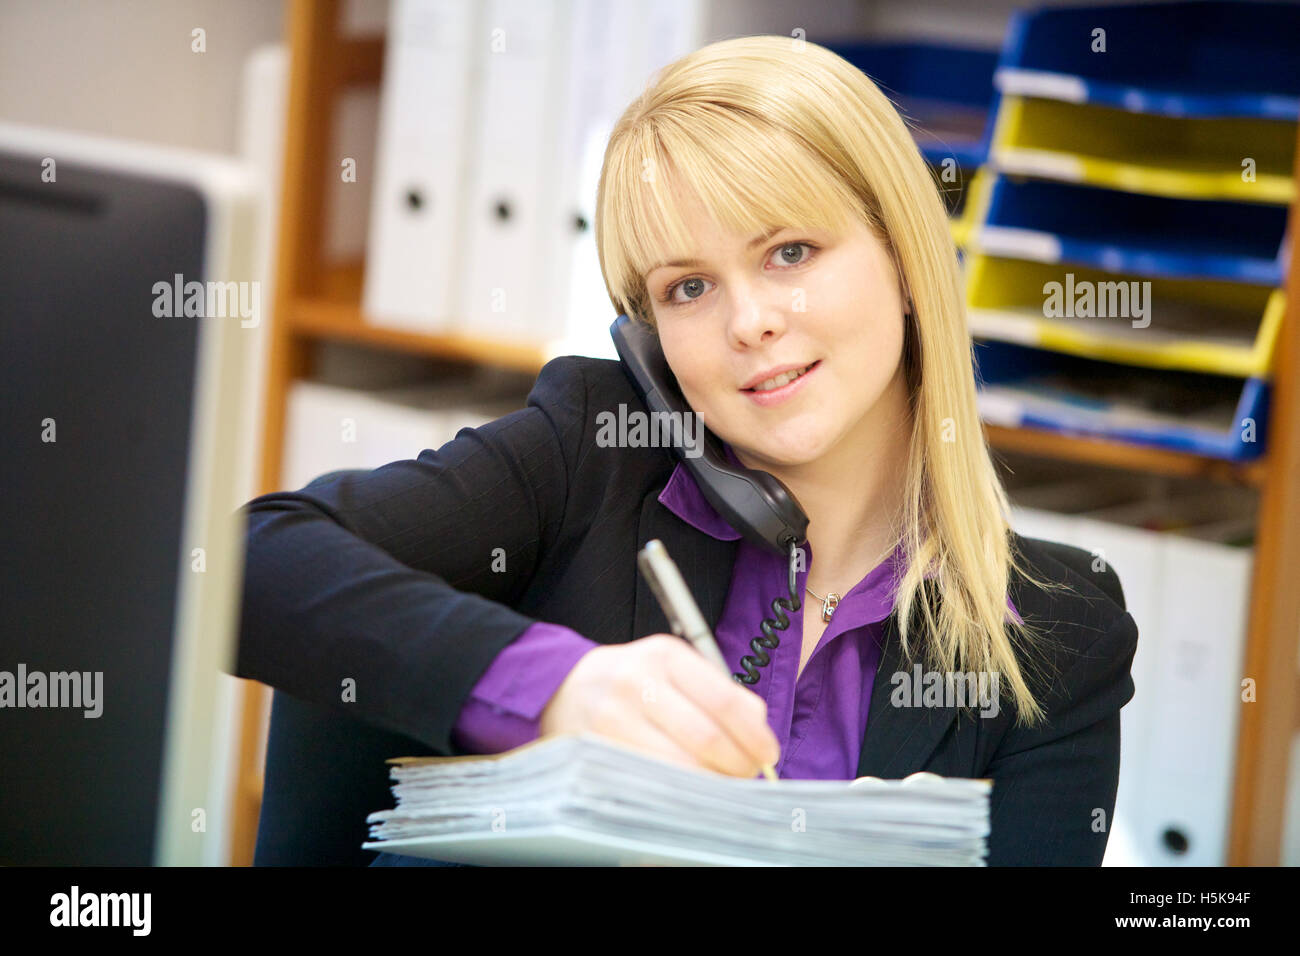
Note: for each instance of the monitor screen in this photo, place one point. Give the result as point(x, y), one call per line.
point(101, 373)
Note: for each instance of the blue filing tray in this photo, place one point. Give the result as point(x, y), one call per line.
point(1177, 59)
point(1052, 221)
point(1005, 364)
point(945, 92)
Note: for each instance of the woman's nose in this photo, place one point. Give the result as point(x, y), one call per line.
point(754, 317)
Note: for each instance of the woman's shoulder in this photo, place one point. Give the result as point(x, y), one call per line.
point(1082, 639)
point(1077, 662)
point(592, 405)
point(568, 377)
point(1084, 604)
point(574, 391)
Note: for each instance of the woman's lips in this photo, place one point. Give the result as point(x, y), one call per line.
point(778, 395)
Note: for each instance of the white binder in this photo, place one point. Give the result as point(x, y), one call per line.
point(666, 30)
point(513, 168)
point(417, 241)
point(615, 50)
point(571, 303)
point(511, 102)
point(1197, 697)
point(1135, 554)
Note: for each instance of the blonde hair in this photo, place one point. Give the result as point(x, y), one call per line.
point(770, 131)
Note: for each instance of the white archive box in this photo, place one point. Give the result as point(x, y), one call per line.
point(1187, 588)
point(330, 428)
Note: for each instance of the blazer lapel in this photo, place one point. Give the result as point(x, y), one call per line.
point(899, 740)
point(705, 562)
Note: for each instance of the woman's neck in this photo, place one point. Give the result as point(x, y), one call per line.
point(853, 495)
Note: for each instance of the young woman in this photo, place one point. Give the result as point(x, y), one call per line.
point(763, 207)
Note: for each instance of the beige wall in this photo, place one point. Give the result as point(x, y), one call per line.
point(125, 68)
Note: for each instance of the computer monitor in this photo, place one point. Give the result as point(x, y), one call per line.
point(128, 307)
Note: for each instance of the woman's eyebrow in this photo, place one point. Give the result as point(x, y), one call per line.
point(692, 263)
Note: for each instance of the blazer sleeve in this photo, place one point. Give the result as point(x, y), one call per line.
point(387, 594)
point(1054, 785)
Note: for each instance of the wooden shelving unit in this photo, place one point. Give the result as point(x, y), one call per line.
point(318, 301)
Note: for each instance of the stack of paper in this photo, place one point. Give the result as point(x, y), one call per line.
point(587, 800)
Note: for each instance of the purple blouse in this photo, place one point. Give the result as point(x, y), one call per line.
point(819, 718)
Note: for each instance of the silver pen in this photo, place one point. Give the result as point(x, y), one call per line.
point(684, 617)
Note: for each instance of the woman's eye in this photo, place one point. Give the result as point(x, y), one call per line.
point(694, 286)
point(688, 286)
point(781, 253)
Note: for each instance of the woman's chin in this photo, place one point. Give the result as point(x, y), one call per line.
point(774, 450)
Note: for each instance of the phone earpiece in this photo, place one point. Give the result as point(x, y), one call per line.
point(755, 503)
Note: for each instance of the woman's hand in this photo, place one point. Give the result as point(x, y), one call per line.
point(660, 695)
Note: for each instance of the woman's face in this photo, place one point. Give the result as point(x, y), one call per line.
point(797, 298)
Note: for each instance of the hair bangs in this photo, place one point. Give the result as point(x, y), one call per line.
point(748, 176)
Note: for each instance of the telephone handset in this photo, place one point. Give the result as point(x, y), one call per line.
point(756, 504)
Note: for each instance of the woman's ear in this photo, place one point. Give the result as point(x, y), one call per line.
point(905, 293)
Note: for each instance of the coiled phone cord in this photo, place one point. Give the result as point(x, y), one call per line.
point(769, 640)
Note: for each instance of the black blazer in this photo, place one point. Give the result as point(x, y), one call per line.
point(373, 595)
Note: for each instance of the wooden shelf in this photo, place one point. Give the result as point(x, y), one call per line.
point(319, 319)
point(335, 315)
point(1097, 451)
